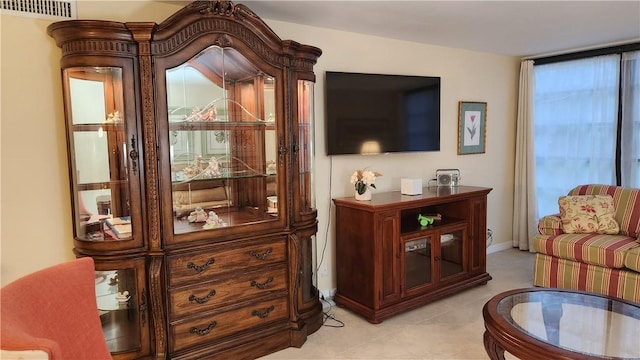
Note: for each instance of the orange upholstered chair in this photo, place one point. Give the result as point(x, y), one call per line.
point(53, 311)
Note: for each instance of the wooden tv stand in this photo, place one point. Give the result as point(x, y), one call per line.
point(387, 263)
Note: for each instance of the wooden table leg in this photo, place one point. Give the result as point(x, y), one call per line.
point(492, 347)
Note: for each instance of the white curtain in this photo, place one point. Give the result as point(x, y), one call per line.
point(630, 140)
point(525, 217)
point(575, 125)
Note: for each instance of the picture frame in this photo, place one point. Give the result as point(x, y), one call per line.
point(472, 127)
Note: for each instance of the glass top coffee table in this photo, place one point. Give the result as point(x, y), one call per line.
point(541, 323)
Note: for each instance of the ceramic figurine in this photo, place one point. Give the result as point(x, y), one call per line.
point(197, 216)
point(213, 221)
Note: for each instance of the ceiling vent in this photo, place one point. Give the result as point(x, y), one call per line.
point(43, 9)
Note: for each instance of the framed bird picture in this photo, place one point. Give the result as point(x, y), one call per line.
point(472, 127)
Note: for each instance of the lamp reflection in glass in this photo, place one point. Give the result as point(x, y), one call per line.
point(370, 147)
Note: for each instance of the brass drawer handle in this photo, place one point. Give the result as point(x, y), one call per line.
point(193, 298)
point(200, 268)
point(205, 331)
point(264, 314)
point(263, 285)
point(261, 256)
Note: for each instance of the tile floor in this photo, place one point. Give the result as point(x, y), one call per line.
point(450, 328)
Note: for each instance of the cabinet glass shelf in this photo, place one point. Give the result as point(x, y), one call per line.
point(229, 218)
point(218, 124)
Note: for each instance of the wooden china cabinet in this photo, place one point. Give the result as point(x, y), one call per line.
point(190, 156)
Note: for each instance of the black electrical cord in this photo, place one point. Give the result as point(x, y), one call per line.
point(489, 237)
point(326, 232)
point(327, 316)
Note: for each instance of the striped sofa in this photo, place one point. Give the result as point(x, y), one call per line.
point(605, 264)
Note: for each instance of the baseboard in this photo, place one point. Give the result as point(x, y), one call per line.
point(499, 247)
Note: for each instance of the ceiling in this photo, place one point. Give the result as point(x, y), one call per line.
point(515, 28)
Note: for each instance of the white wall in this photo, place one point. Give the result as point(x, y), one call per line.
point(465, 76)
point(35, 209)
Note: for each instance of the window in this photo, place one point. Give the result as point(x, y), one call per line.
point(586, 124)
point(630, 129)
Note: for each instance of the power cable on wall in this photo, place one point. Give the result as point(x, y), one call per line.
point(326, 232)
point(327, 316)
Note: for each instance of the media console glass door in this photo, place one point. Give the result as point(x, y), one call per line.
point(430, 257)
point(418, 263)
point(452, 258)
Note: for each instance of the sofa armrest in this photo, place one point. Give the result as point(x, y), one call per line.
point(550, 225)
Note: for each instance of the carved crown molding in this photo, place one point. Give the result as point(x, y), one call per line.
point(102, 47)
point(93, 36)
point(220, 28)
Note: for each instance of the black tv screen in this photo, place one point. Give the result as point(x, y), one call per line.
point(376, 113)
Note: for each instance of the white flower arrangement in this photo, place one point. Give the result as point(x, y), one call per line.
point(361, 179)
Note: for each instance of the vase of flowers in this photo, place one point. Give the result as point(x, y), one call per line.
point(362, 181)
point(365, 196)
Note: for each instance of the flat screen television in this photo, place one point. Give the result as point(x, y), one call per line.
point(377, 113)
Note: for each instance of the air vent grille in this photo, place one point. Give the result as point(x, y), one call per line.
point(46, 9)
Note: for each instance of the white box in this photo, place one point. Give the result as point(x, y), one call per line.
point(411, 186)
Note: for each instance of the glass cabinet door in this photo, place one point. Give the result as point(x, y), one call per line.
point(306, 148)
point(417, 262)
point(222, 143)
point(305, 207)
point(103, 155)
point(432, 258)
point(451, 253)
point(122, 306)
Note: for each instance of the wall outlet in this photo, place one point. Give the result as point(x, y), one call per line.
point(327, 299)
point(327, 294)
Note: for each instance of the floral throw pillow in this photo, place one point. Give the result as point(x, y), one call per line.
point(588, 214)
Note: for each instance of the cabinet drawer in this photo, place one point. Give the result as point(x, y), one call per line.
point(214, 327)
point(207, 264)
point(207, 296)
